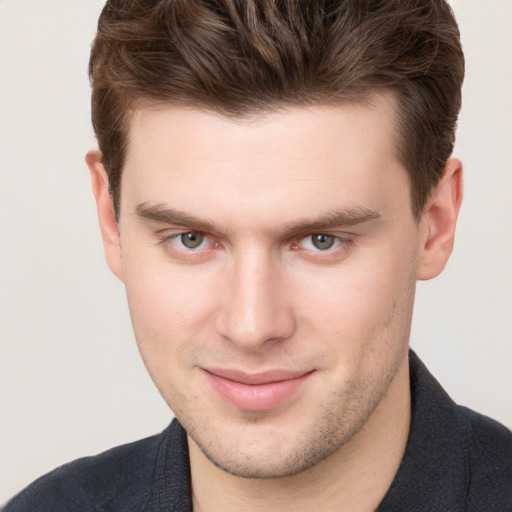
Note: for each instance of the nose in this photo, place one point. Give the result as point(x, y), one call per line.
point(255, 310)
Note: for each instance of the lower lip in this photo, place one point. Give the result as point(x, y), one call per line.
point(259, 397)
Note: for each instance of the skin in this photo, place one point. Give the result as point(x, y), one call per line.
point(258, 295)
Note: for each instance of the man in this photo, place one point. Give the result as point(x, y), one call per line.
point(273, 178)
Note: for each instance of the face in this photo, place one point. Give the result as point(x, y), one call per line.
point(270, 268)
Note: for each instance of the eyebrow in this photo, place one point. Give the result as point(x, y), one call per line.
point(164, 215)
point(335, 219)
point(343, 218)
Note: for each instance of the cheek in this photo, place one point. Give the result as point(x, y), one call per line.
point(169, 306)
point(357, 305)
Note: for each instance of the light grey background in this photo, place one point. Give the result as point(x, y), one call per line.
point(71, 382)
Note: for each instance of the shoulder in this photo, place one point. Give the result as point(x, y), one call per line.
point(455, 458)
point(488, 447)
point(118, 479)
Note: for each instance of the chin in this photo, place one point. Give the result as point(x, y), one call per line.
point(268, 450)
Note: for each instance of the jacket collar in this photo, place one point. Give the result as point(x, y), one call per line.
point(432, 475)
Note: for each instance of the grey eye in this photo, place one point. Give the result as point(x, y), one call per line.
point(191, 240)
point(322, 242)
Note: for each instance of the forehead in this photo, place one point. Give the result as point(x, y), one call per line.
point(375, 114)
point(320, 156)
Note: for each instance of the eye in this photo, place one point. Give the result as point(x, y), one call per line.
point(323, 242)
point(189, 246)
point(191, 240)
point(320, 242)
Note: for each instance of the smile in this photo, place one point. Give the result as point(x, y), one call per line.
point(256, 392)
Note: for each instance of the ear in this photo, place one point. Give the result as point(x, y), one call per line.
point(438, 222)
point(106, 215)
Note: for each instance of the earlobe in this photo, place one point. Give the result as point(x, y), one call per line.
point(106, 214)
point(438, 222)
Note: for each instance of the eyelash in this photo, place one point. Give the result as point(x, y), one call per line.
point(341, 244)
point(337, 240)
point(185, 252)
point(177, 236)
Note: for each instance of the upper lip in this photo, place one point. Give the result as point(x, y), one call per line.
point(254, 379)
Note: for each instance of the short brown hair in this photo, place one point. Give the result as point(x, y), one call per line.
point(240, 57)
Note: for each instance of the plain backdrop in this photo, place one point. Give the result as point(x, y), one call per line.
point(71, 380)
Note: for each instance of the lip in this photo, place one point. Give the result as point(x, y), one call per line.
point(256, 391)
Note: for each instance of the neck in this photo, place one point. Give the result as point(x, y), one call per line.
point(355, 478)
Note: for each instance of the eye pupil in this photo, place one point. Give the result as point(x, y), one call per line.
point(191, 240)
point(322, 242)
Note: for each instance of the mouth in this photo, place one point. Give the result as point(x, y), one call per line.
point(256, 392)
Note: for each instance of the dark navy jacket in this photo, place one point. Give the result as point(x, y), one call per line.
point(455, 461)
